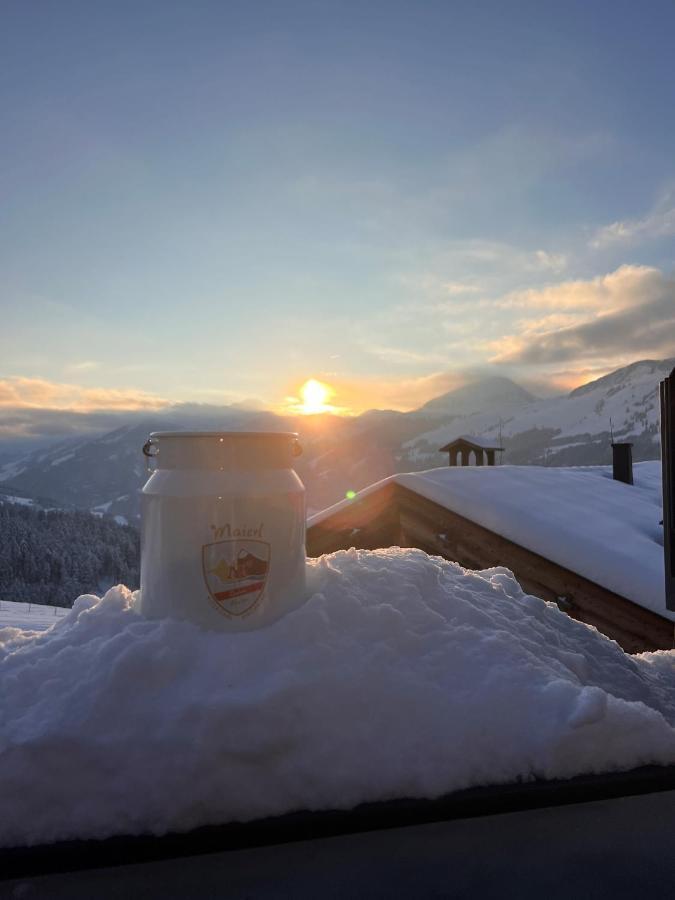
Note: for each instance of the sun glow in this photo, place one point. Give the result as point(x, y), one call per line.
point(315, 396)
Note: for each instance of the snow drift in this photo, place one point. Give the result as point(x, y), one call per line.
point(403, 675)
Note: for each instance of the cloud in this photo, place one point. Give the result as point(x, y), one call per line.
point(555, 262)
point(502, 257)
point(658, 223)
point(466, 272)
point(610, 292)
point(401, 355)
point(565, 380)
point(85, 366)
point(454, 288)
point(36, 393)
point(630, 311)
point(48, 425)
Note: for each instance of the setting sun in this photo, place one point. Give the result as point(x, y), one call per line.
point(315, 396)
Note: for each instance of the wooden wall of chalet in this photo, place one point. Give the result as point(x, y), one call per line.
point(396, 516)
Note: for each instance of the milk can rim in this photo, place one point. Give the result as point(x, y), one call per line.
point(224, 434)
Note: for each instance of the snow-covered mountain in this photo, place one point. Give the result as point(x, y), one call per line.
point(20, 498)
point(101, 474)
point(493, 394)
point(572, 429)
point(105, 474)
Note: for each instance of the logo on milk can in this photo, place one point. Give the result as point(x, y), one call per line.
point(235, 573)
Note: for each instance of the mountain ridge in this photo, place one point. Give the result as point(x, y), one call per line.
point(473, 396)
point(104, 474)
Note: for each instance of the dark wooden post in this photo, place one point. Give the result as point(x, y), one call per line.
point(622, 462)
point(453, 457)
point(479, 457)
point(491, 457)
point(668, 482)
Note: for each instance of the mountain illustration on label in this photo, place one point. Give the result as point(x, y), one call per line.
point(235, 573)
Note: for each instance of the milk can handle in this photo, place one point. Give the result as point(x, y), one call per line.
point(148, 448)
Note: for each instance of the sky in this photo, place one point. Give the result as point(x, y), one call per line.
point(213, 202)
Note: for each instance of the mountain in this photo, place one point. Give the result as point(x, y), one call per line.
point(101, 474)
point(105, 474)
point(572, 429)
point(493, 394)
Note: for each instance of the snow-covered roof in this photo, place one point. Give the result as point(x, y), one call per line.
point(579, 518)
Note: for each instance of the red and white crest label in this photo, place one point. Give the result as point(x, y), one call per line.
point(235, 573)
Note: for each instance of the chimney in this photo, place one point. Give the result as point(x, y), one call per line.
point(622, 462)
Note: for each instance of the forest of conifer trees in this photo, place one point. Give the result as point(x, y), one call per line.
point(53, 556)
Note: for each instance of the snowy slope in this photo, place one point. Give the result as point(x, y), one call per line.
point(21, 498)
point(29, 616)
point(580, 518)
point(102, 474)
point(573, 428)
point(628, 397)
point(105, 474)
point(485, 395)
point(401, 676)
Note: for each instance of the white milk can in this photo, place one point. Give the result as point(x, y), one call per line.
point(223, 528)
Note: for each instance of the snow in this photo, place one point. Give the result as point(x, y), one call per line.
point(17, 501)
point(629, 397)
point(61, 459)
point(29, 616)
point(402, 675)
point(11, 469)
point(577, 517)
point(103, 509)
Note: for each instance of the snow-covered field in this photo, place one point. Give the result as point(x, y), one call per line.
point(402, 675)
point(29, 616)
point(578, 517)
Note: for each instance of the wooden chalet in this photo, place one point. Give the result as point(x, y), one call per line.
point(394, 514)
point(462, 448)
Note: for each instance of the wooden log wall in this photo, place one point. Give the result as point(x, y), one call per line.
point(368, 523)
point(396, 516)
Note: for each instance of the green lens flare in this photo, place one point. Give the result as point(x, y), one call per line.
point(350, 495)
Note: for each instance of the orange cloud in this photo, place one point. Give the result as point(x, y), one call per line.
point(37, 393)
point(565, 381)
point(629, 311)
point(607, 293)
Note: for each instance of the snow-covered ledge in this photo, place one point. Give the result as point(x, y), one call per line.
point(401, 676)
